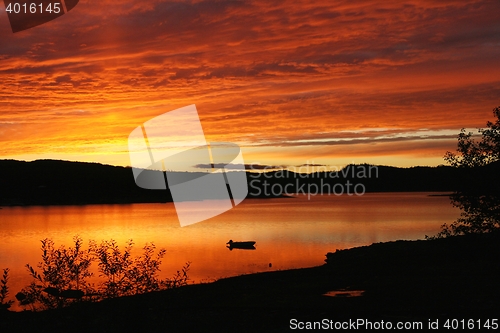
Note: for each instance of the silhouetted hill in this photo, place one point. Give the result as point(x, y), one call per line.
point(51, 182)
point(365, 177)
point(45, 182)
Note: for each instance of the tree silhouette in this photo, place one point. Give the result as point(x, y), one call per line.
point(477, 194)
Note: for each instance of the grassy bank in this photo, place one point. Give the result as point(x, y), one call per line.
point(402, 281)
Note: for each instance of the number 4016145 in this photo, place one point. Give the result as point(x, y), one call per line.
point(33, 8)
point(463, 324)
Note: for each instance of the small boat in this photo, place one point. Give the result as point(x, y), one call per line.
point(248, 245)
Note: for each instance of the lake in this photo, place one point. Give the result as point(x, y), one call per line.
point(290, 232)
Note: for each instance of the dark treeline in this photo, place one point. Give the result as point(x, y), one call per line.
point(370, 178)
point(50, 182)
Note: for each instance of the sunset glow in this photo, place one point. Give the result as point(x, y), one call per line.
point(289, 82)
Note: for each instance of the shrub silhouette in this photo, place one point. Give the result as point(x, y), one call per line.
point(4, 290)
point(125, 275)
point(113, 265)
point(179, 279)
point(63, 277)
point(64, 273)
point(478, 195)
point(144, 273)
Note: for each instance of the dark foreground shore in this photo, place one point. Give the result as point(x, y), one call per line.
point(402, 282)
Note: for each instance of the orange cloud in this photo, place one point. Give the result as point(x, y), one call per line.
point(277, 78)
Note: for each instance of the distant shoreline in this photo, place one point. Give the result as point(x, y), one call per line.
point(52, 182)
point(165, 202)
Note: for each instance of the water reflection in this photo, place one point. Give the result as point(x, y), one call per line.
point(290, 233)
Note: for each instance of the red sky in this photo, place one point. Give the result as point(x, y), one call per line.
point(291, 82)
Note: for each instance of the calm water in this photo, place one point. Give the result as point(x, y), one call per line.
point(290, 233)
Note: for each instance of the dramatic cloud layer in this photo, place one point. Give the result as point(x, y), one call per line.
point(292, 82)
